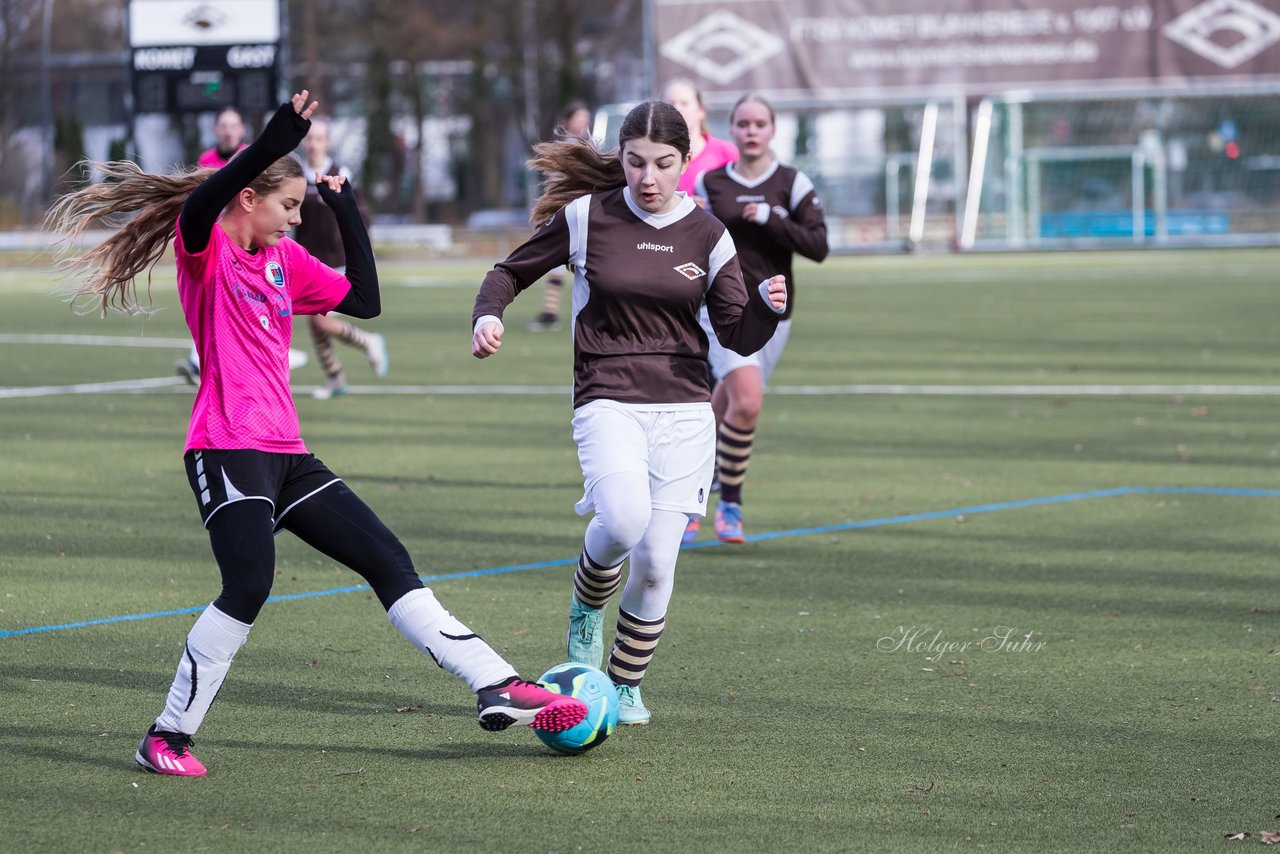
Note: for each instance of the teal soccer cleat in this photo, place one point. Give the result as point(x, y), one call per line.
point(631, 708)
point(584, 642)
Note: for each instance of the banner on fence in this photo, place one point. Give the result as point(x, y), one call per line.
point(832, 50)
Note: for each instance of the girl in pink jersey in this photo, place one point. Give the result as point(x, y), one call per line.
point(645, 258)
point(705, 151)
point(240, 280)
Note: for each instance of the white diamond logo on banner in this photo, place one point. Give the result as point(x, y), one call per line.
point(1249, 30)
point(722, 47)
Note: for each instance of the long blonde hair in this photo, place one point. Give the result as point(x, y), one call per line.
point(154, 201)
point(575, 167)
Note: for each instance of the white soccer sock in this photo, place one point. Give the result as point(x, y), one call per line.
point(212, 643)
point(424, 621)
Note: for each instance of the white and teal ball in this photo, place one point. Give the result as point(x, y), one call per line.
point(592, 687)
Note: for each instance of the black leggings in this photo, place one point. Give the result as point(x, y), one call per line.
point(334, 521)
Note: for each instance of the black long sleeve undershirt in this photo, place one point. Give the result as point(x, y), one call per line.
point(205, 204)
point(363, 300)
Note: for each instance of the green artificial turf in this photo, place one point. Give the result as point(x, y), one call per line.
point(968, 621)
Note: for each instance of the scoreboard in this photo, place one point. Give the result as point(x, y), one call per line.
point(191, 56)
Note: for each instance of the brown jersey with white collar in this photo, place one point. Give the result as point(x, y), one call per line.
point(795, 222)
point(639, 280)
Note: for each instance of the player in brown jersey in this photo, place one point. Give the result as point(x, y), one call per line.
point(772, 211)
point(645, 259)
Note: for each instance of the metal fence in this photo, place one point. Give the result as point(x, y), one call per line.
point(1132, 169)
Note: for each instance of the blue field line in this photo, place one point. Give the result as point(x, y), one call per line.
point(795, 532)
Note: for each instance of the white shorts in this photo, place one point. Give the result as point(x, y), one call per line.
point(724, 361)
point(673, 444)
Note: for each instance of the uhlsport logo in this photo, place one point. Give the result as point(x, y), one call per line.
point(722, 47)
point(274, 274)
point(690, 270)
point(1228, 32)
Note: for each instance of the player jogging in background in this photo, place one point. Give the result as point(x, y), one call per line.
point(240, 280)
point(773, 212)
point(706, 151)
point(645, 259)
point(318, 233)
point(575, 122)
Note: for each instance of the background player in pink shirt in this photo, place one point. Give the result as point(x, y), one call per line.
point(705, 151)
point(228, 133)
point(240, 279)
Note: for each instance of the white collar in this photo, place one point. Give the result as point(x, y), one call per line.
point(731, 170)
point(682, 209)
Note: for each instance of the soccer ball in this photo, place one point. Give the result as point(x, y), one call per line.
point(591, 687)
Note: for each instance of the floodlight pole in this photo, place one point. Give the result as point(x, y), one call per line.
point(46, 96)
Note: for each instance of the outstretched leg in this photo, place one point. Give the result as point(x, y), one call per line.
point(337, 523)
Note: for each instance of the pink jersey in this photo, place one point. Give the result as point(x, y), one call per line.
point(716, 153)
point(211, 159)
point(239, 307)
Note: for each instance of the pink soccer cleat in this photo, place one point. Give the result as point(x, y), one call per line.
point(168, 753)
point(527, 704)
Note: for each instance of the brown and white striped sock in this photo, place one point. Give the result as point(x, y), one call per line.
point(733, 455)
point(353, 335)
point(593, 584)
point(326, 354)
point(633, 645)
point(551, 297)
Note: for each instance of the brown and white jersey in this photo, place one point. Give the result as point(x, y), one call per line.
point(639, 280)
point(795, 222)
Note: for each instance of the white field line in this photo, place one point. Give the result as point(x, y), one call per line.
point(176, 384)
point(117, 387)
point(1031, 390)
point(98, 341)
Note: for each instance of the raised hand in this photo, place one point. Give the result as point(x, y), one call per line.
point(300, 105)
point(334, 182)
